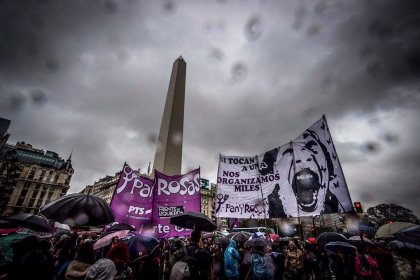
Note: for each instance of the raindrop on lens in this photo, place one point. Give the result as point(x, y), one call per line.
point(38, 97)
point(320, 8)
point(216, 55)
point(17, 100)
point(177, 138)
point(254, 28)
point(110, 7)
point(239, 71)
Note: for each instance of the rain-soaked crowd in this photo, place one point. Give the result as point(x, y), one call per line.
point(71, 255)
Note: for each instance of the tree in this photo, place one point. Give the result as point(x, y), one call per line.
point(385, 213)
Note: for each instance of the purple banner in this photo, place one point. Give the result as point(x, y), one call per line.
point(132, 202)
point(174, 195)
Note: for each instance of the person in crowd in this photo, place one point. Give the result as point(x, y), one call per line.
point(231, 259)
point(147, 267)
point(120, 256)
point(31, 260)
point(278, 261)
point(217, 252)
point(197, 258)
point(366, 267)
point(85, 257)
point(102, 269)
point(407, 263)
point(262, 267)
point(294, 262)
point(338, 265)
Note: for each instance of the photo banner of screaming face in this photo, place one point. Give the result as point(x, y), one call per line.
point(301, 178)
point(311, 180)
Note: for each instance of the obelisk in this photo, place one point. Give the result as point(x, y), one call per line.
point(168, 156)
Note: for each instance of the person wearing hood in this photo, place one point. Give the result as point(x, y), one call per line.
point(294, 262)
point(231, 261)
point(103, 269)
point(78, 268)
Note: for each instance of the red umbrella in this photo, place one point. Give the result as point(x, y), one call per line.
point(312, 240)
point(274, 237)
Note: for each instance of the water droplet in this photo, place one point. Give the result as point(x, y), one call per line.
point(216, 55)
point(52, 65)
point(391, 137)
point(152, 138)
point(314, 29)
point(38, 97)
point(239, 71)
point(169, 6)
point(300, 12)
point(177, 138)
point(329, 85)
point(372, 147)
point(110, 6)
point(16, 100)
point(254, 28)
point(320, 8)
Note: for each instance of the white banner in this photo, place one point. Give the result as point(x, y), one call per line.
point(301, 178)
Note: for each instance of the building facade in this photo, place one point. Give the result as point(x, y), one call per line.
point(103, 188)
point(208, 195)
point(36, 177)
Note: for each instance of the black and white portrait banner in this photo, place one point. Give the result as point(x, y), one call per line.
point(301, 178)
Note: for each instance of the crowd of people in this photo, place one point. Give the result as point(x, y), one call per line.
point(72, 256)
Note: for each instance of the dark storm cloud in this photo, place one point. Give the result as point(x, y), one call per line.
point(92, 76)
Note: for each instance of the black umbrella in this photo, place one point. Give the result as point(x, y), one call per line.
point(256, 242)
point(193, 220)
point(241, 236)
point(410, 235)
point(119, 227)
point(31, 221)
point(140, 246)
point(80, 210)
point(327, 237)
point(339, 246)
point(223, 241)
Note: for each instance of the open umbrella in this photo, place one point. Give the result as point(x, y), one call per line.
point(327, 237)
point(104, 241)
point(256, 242)
point(357, 241)
point(274, 237)
point(396, 244)
point(31, 221)
point(311, 240)
point(409, 235)
point(140, 246)
point(344, 247)
point(80, 210)
point(120, 226)
point(223, 241)
point(388, 230)
point(241, 236)
point(193, 220)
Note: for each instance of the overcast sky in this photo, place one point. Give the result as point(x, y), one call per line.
point(93, 75)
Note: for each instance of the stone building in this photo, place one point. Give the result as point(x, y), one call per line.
point(104, 187)
point(39, 177)
point(208, 195)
